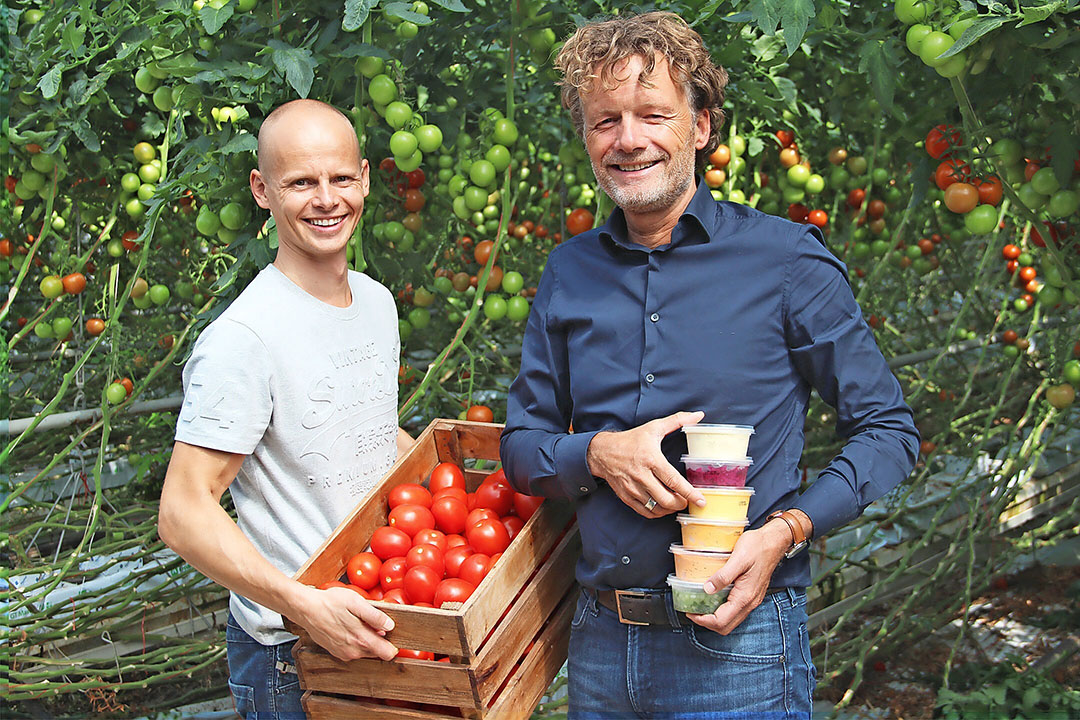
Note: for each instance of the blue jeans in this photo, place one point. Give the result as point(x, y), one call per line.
point(761, 670)
point(262, 678)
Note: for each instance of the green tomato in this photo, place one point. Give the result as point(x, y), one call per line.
point(393, 231)
point(915, 35)
point(33, 180)
point(115, 248)
point(443, 285)
point(382, 90)
point(134, 208)
point(1063, 203)
point(404, 329)
point(814, 184)
point(163, 99)
point(116, 393)
point(1045, 182)
point(130, 182)
point(207, 222)
point(933, 45)
point(232, 216)
point(398, 114)
point(429, 138)
point(406, 30)
point(911, 11)
point(499, 156)
point(403, 144)
point(43, 162)
point(1031, 197)
point(1007, 151)
point(43, 330)
point(959, 26)
point(737, 145)
point(517, 308)
point(245, 5)
point(149, 173)
point(798, 175)
point(145, 81)
point(495, 307)
point(419, 318)
point(1025, 258)
point(952, 66)
point(982, 220)
point(482, 173)
point(461, 210)
point(879, 248)
point(504, 132)
point(1071, 372)
point(1049, 296)
point(146, 191)
point(370, 66)
point(61, 326)
point(159, 294)
point(512, 282)
point(409, 163)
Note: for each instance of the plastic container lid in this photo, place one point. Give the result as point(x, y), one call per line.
point(725, 490)
point(678, 583)
point(714, 428)
point(694, 462)
point(678, 549)
point(683, 519)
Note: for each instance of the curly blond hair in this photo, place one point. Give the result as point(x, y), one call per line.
point(593, 52)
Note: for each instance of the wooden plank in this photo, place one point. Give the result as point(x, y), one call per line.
point(329, 707)
point(533, 677)
point(529, 612)
point(483, 610)
point(398, 679)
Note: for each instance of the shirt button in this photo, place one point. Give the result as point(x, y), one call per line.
point(583, 489)
point(654, 317)
point(625, 559)
point(649, 377)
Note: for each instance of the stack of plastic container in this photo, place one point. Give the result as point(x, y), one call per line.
point(716, 464)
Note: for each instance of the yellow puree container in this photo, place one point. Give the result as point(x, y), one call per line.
point(697, 565)
point(723, 503)
point(705, 534)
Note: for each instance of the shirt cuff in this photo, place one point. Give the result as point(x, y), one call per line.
point(829, 503)
point(571, 464)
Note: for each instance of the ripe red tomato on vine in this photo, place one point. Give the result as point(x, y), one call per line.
point(579, 221)
point(941, 140)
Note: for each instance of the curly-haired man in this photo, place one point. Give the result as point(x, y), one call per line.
point(681, 308)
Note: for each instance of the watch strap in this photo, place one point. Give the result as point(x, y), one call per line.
point(798, 537)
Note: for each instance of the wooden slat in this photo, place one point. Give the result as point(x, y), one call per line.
point(529, 611)
point(499, 588)
point(399, 679)
point(533, 677)
point(329, 707)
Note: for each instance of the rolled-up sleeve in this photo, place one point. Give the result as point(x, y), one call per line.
point(834, 350)
point(539, 454)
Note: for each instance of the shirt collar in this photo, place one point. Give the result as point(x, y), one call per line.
point(695, 225)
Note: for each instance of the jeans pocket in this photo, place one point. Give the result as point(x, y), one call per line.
point(754, 643)
point(585, 610)
point(243, 698)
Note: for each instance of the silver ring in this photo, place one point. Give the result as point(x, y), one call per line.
point(650, 504)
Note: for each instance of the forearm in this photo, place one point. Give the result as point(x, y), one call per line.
point(404, 442)
point(204, 534)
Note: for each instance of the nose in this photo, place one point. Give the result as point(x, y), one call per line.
point(630, 137)
point(324, 194)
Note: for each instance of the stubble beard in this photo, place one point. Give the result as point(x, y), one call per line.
point(662, 193)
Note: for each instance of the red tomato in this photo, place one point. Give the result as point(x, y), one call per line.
point(454, 492)
point(454, 540)
point(449, 513)
point(495, 559)
point(332, 583)
point(513, 525)
point(989, 190)
point(431, 537)
point(950, 171)
point(452, 590)
point(488, 536)
point(397, 596)
point(480, 413)
point(818, 217)
point(526, 505)
point(415, 654)
point(392, 573)
point(411, 519)
point(388, 542)
point(940, 141)
point(497, 495)
point(479, 514)
point(497, 476)
point(855, 198)
point(420, 583)
point(359, 591)
point(375, 593)
point(474, 568)
point(363, 570)
point(579, 221)
point(798, 212)
point(409, 494)
point(454, 557)
point(446, 475)
point(427, 555)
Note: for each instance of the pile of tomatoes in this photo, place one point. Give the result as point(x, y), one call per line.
point(440, 541)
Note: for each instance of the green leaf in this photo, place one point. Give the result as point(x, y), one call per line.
point(214, 18)
point(49, 84)
point(86, 134)
point(404, 11)
point(296, 64)
point(977, 29)
point(356, 14)
point(242, 142)
point(794, 19)
point(766, 14)
point(754, 146)
point(766, 48)
point(451, 5)
point(786, 88)
point(878, 60)
point(73, 36)
point(1063, 149)
point(1040, 12)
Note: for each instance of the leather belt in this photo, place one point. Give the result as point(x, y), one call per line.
point(643, 607)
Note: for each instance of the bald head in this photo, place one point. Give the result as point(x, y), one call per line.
point(300, 121)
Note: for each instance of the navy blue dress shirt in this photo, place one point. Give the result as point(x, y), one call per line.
point(739, 316)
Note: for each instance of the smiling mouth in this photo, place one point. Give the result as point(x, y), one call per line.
point(325, 222)
point(635, 167)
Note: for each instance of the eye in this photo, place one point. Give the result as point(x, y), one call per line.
point(301, 182)
point(343, 179)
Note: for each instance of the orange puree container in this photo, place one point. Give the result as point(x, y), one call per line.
point(697, 565)
point(705, 534)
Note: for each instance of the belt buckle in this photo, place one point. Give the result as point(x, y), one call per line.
point(618, 604)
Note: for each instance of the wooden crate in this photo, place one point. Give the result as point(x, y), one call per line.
point(526, 600)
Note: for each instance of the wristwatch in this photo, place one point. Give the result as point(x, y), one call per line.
point(798, 537)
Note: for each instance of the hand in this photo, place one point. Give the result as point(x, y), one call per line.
point(748, 570)
point(633, 466)
point(345, 624)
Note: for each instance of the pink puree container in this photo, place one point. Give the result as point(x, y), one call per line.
point(702, 472)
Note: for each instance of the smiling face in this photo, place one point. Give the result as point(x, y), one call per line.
point(312, 179)
point(642, 140)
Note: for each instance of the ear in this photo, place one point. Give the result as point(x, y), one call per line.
point(258, 189)
point(365, 176)
point(702, 128)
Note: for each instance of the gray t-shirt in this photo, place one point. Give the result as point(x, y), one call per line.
point(308, 392)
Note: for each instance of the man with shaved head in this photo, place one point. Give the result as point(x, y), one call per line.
point(290, 402)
